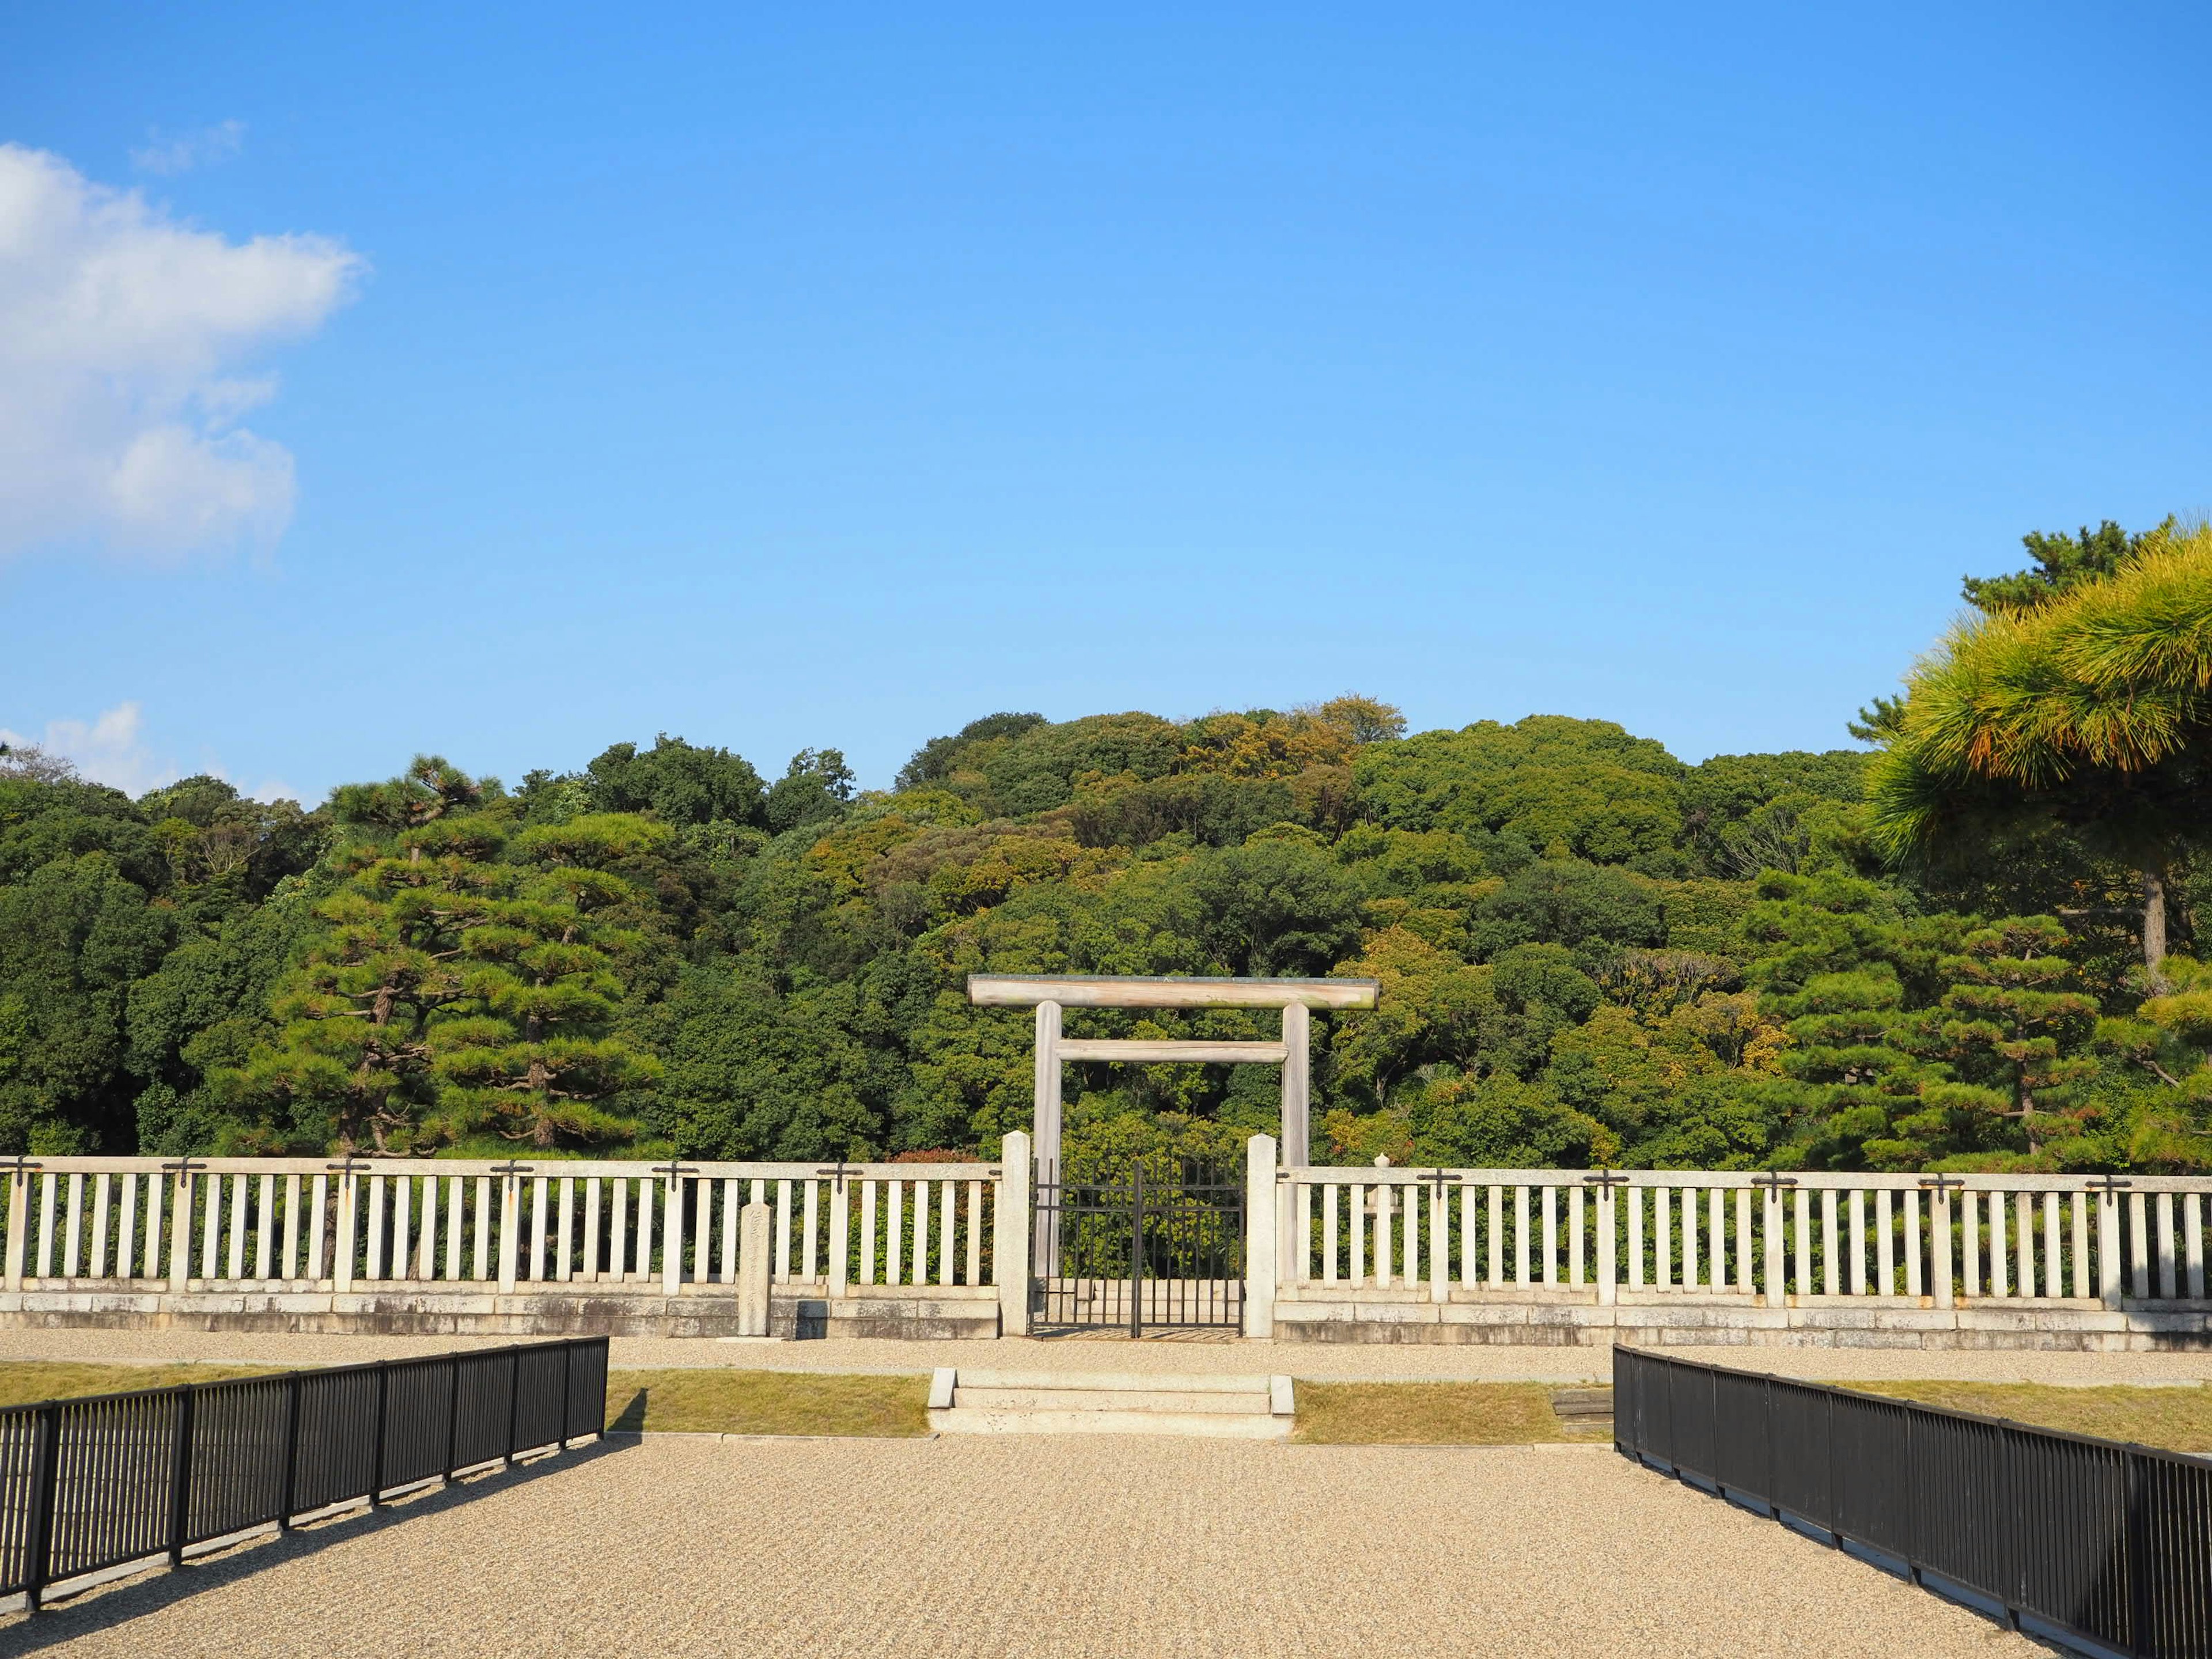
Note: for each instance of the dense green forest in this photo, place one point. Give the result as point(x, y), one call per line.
point(1897, 956)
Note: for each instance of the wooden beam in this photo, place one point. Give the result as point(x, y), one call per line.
point(1114, 991)
point(1140, 1051)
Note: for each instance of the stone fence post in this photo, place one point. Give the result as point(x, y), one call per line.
point(1939, 1222)
point(1260, 1230)
point(2108, 1243)
point(1011, 1228)
point(1608, 1264)
point(1774, 1237)
point(19, 1221)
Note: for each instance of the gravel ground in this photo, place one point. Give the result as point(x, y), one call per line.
point(1030, 1546)
point(1319, 1362)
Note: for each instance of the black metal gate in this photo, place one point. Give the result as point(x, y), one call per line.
point(1135, 1249)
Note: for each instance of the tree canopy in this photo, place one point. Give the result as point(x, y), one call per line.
point(2090, 710)
point(1591, 950)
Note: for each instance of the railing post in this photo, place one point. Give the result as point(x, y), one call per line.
point(2137, 1543)
point(1136, 1245)
point(46, 1472)
point(1010, 1232)
point(453, 1417)
point(513, 1398)
point(1908, 1469)
point(180, 1475)
point(568, 1381)
point(383, 1411)
point(1260, 1232)
point(291, 1452)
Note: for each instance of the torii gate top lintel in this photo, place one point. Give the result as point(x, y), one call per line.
point(1138, 991)
point(1050, 993)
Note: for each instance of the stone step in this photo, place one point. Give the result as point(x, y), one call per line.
point(1104, 1400)
point(1584, 1412)
point(1133, 1381)
point(1253, 1408)
point(1582, 1402)
point(1230, 1425)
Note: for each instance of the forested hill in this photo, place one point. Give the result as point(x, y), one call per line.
point(1589, 952)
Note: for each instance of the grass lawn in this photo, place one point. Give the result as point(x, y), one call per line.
point(698, 1402)
point(720, 1401)
point(2179, 1419)
point(723, 1401)
point(1427, 1413)
point(26, 1382)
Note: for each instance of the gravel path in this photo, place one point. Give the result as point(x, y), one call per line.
point(1319, 1362)
point(1031, 1546)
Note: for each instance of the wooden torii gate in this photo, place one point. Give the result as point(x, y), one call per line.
point(1048, 993)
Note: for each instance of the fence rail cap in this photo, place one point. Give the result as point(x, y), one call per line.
point(1746, 1181)
point(544, 1170)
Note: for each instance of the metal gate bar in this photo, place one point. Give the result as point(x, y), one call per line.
point(1133, 1251)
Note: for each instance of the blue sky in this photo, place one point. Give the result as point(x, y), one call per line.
point(834, 376)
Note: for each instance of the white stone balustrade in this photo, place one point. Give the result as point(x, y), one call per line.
point(919, 1249)
point(320, 1224)
point(1793, 1240)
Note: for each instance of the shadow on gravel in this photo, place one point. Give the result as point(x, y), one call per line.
point(68, 1617)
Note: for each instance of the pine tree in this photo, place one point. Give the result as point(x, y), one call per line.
point(2091, 709)
point(532, 1061)
point(2012, 1027)
point(465, 988)
point(351, 1064)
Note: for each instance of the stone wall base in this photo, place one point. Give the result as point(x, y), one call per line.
point(1566, 1319)
point(941, 1313)
point(934, 1312)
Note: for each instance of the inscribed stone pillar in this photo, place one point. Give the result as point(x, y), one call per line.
point(752, 1269)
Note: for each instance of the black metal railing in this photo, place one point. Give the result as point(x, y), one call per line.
point(2085, 1538)
point(94, 1483)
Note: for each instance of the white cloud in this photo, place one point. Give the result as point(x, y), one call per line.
point(106, 749)
point(122, 333)
point(110, 749)
point(187, 150)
